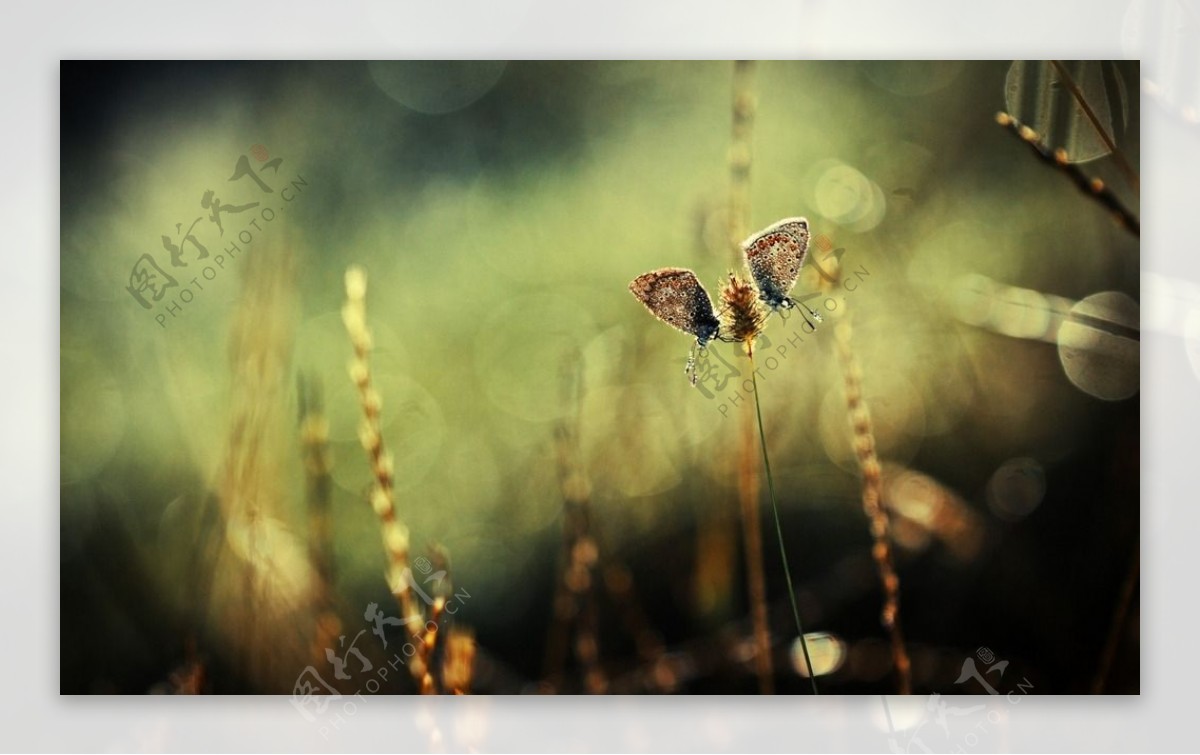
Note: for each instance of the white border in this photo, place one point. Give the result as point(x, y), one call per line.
point(37, 36)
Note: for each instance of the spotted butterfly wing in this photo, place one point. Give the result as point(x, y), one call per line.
point(774, 257)
point(675, 296)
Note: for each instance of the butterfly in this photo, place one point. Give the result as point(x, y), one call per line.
point(675, 295)
point(774, 257)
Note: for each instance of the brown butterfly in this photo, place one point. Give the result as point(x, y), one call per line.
point(774, 257)
point(675, 295)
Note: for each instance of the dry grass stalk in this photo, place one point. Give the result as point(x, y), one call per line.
point(715, 551)
point(314, 443)
point(756, 583)
point(459, 661)
point(740, 155)
point(575, 602)
point(743, 319)
point(317, 461)
point(618, 582)
point(261, 599)
point(1069, 81)
point(1092, 187)
point(584, 567)
point(863, 442)
point(188, 679)
point(395, 532)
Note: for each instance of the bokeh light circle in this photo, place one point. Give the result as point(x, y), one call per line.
point(1097, 349)
point(913, 78)
point(847, 197)
point(436, 87)
point(826, 651)
point(1016, 488)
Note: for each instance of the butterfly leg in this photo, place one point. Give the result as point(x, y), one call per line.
point(690, 369)
point(697, 354)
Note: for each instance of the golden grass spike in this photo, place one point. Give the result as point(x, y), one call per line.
point(394, 531)
point(743, 312)
point(872, 497)
point(1058, 159)
point(317, 461)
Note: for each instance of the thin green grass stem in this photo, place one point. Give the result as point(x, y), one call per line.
point(787, 573)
